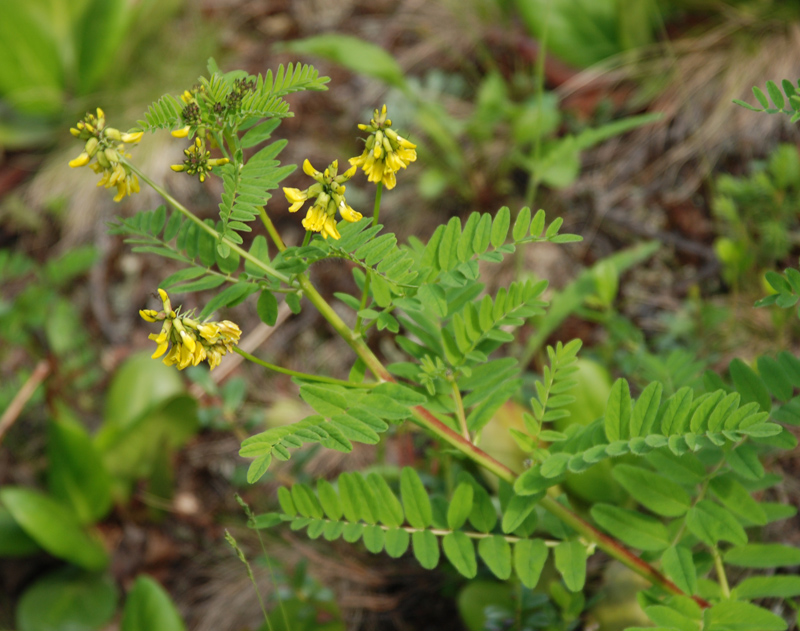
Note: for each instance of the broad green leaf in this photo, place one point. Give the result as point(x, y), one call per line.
point(496, 553)
point(531, 481)
point(676, 411)
point(327, 401)
point(529, 558)
point(149, 608)
point(618, 412)
point(521, 224)
point(633, 528)
point(54, 527)
point(76, 473)
point(775, 377)
point(13, 540)
point(684, 470)
point(287, 503)
point(68, 599)
point(461, 553)
point(775, 94)
point(416, 504)
point(426, 548)
point(653, 491)
point(570, 560)
point(678, 564)
point(711, 523)
point(768, 587)
point(732, 615)
point(483, 516)
point(763, 555)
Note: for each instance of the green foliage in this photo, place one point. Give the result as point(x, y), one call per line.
point(365, 507)
point(756, 215)
point(789, 105)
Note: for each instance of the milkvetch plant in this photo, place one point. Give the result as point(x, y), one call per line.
point(692, 459)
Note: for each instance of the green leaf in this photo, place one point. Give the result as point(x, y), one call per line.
point(54, 527)
point(390, 512)
point(711, 523)
point(229, 296)
point(653, 491)
point(761, 97)
point(181, 276)
point(13, 540)
point(484, 514)
point(676, 411)
point(460, 506)
point(260, 133)
point(397, 542)
point(570, 560)
point(763, 555)
point(77, 475)
point(352, 53)
point(461, 553)
point(529, 558)
point(500, 225)
point(750, 385)
point(416, 504)
point(426, 548)
point(632, 528)
point(517, 511)
point(258, 468)
point(326, 400)
point(646, 409)
point(522, 224)
point(496, 553)
point(374, 539)
point(774, 375)
point(531, 481)
point(149, 608)
point(678, 564)
point(267, 307)
point(737, 499)
point(329, 500)
point(744, 461)
point(732, 615)
point(775, 94)
point(618, 412)
point(768, 587)
point(307, 503)
point(668, 618)
point(68, 599)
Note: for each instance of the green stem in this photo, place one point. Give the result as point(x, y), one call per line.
point(429, 422)
point(204, 226)
point(301, 375)
point(365, 293)
point(306, 238)
point(719, 566)
point(273, 233)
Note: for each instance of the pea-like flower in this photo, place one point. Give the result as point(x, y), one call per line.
point(198, 160)
point(104, 152)
point(191, 341)
point(328, 196)
point(385, 152)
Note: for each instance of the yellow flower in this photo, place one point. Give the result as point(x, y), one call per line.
point(385, 151)
point(328, 193)
point(198, 160)
point(191, 342)
point(181, 133)
point(104, 152)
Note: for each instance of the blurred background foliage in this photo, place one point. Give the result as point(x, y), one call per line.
point(117, 475)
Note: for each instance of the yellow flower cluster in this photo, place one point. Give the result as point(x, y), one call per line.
point(192, 341)
point(106, 146)
point(198, 160)
point(386, 152)
point(329, 195)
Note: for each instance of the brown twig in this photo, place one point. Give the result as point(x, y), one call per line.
point(17, 404)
